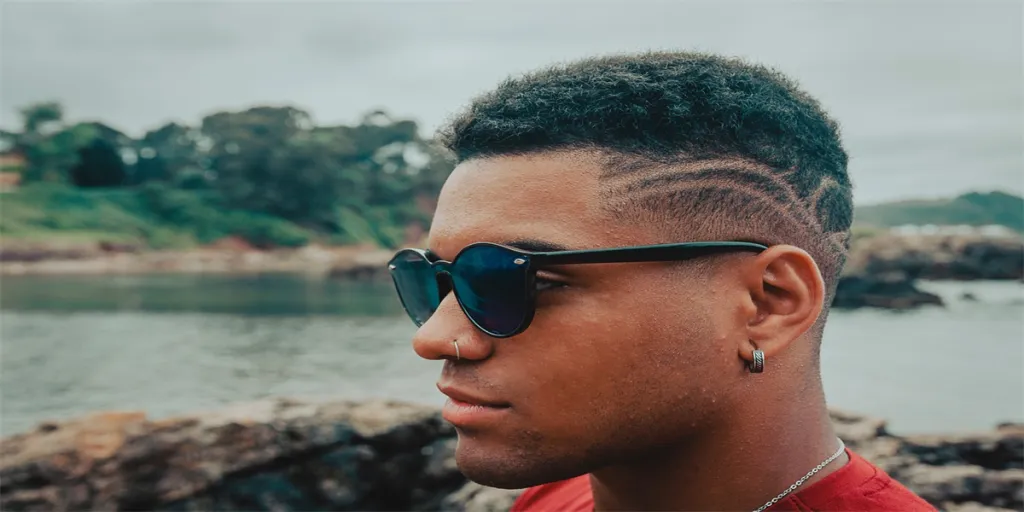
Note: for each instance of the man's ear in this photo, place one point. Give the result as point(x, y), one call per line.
point(787, 293)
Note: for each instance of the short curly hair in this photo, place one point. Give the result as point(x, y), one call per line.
point(710, 145)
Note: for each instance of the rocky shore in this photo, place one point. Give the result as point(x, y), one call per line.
point(888, 291)
point(882, 271)
point(323, 455)
point(939, 257)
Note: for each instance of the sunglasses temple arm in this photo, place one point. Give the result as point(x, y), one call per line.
point(641, 254)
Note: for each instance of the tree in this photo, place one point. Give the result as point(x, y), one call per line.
point(53, 150)
point(253, 172)
point(363, 181)
point(99, 165)
point(101, 160)
point(50, 157)
point(242, 147)
point(38, 117)
point(170, 154)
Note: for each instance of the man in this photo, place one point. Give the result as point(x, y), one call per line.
point(644, 249)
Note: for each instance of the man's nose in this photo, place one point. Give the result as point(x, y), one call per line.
point(448, 334)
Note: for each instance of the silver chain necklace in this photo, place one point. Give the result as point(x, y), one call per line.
point(798, 483)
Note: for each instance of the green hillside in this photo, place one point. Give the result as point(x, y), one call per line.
point(973, 209)
point(267, 174)
point(153, 215)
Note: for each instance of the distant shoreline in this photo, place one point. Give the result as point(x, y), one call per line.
point(355, 261)
point(881, 270)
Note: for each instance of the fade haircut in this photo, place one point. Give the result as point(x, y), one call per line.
point(707, 146)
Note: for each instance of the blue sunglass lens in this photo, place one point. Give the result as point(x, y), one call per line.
point(416, 284)
point(491, 283)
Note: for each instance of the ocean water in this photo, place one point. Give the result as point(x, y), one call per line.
point(177, 344)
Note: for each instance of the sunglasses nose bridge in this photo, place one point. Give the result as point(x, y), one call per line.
point(443, 270)
point(445, 284)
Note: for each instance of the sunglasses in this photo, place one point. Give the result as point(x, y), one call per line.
point(495, 285)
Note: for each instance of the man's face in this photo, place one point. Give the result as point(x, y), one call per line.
point(619, 359)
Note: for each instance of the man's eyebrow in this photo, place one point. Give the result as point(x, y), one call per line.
point(524, 244)
point(534, 245)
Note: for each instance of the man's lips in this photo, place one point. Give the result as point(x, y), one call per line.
point(469, 397)
point(468, 410)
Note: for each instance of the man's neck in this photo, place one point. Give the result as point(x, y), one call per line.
point(735, 468)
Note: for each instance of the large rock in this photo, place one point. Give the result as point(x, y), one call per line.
point(290, 455)
point(893, 290)
point(959, 257)
point(1001, 449)
point(881, 271)
point(278, 455)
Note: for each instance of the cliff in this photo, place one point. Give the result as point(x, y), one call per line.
point(291, 455)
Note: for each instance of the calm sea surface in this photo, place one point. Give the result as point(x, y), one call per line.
point(177, 344)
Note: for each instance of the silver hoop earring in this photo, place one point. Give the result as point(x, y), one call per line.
point(457, 354)
point(757, 365)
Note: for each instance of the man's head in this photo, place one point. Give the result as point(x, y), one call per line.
point(622, 360)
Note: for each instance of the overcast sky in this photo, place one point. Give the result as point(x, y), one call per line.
point(930, 97)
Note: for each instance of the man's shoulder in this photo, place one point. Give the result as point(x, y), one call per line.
point(860, 485)
point(572, 495)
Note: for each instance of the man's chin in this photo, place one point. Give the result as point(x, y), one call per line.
point(505, 468)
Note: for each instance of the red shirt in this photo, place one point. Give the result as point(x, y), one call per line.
point(858, 485)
